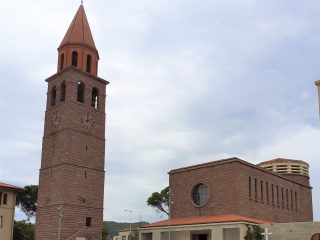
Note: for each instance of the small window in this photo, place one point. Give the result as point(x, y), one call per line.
point(1, 221)
point(89, 60)
point(261, 190)
point(63, 92)
point(74, 58)
point(124, 237)
point(61, 61)
point(255, 190)
point(5, 199)
point(200, 194)
point(53, 95)
point(95, 98)
point(80, 94)
point(88, 221)
point(0, 198)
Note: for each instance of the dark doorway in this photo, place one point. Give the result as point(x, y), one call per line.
point(203, 237)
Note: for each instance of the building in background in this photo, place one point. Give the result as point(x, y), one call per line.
point(71, 181)
point(217, 200)
point(7, 209)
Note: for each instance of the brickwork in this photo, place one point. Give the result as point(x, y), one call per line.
point(73, 148)
point(229, 192)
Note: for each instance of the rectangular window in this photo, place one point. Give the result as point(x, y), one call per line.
point(282, 197)
point(255, 190)
point(250, 188)
point(1, 221)
point(88, 221)
point(261, 189)
point(267, 189)
point(5, 199)
point(278, 202)
point(124, 238)
point(0, 198)
point(296, 200)
point(272, 194)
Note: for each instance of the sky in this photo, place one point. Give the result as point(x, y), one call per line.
point(190, 82)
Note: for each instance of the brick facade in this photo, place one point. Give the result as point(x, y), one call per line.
point(73, 149)
point(230, 192)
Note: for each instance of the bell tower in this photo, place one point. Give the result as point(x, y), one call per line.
point(71, 180)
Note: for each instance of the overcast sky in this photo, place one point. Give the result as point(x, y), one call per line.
point(190, 82)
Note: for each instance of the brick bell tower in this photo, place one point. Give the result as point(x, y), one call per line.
point(71, 181)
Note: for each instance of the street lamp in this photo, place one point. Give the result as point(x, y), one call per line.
point(130, 211)
point(60, 210)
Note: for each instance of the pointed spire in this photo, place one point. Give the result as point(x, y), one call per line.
point(79, 32)
point(77, 47)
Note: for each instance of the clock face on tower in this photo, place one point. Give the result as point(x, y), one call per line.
point(87, 120)
point(56, 117)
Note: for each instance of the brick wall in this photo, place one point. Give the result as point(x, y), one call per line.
point(228, 186)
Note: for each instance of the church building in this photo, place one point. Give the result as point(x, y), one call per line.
point(71, 181)
point(218, 199)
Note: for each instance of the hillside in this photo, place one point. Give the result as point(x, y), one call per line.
point(115, 227)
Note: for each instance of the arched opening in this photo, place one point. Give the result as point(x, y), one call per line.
point(95, 98)
point(61, 61)
point(53, 95)
point(63, 92)
point(89, 60)
point(74, 58)
point(80, 94)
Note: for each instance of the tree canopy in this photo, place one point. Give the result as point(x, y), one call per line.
point(160, 200)
point(27, 200)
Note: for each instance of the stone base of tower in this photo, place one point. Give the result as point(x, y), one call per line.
point(73, 223)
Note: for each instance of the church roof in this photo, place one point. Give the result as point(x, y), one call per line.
point(206, 220)
point(79, 31)
point(11, 187)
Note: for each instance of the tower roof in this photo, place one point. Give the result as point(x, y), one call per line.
point(79, 31)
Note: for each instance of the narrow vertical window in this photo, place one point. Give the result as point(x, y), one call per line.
point(1, 221)
point(282, 197)
point(272, 194)
point(61, 61)
point(5, 199)
point(287, 198)
point(267, 192)
point(80, 92)
point(250, 188)
point(74, 58)
point(296, 200)
point(255, 190)
point(291, 198)
point(95, 98)
point(53, 95)
point(261, 188)
point(89, 60)
point(278, 202)
point(63, 92)
point(0, 198)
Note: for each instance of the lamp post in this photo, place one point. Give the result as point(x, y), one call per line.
point(170, 202)
point(130, 211)
point(318, 86)
point(60, 210)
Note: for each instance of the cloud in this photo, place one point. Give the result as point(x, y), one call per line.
point(190, 82)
